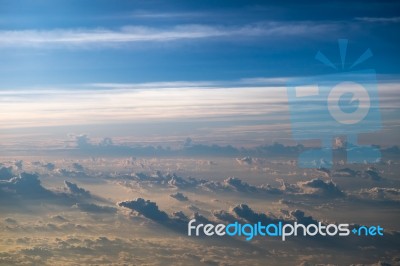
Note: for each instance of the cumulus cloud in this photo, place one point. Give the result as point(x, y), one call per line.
point(70, 173)
point(245, 212)
point(177, 221)
point(230, 184)
point(10, 220)
point(370, 173)
point(49, 166)
point(6, 173)
point(25, 185)
point(320, 188)
point(179, 196)
point(146, 208)
point(75, 190)
point(78, 167)
point(378, 194)
point(245, 160)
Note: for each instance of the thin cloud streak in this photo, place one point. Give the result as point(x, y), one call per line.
point(134, 34)
point(379, 19)
point(149, 102)
point(122, 105)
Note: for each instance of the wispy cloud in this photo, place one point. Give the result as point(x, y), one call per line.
point(134, 34)
point(379, 19)
point(111, 105)
point(114, 102)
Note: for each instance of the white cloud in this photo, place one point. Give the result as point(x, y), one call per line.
point(379, 19)
point(78, 37)
point(77, 106)
point(106, 103)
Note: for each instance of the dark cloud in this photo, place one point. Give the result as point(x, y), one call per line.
point(301, 218)
point(146, 208)
point(370, 173)
point(75, 190)
point(59, 218)
point(229, 184)
point(49, 166)
point(225, 216)
point(6, 173)
point(180, 216)
point(25, 186)
point(10, 220)
point(179, 196)
point(238, 185)
point(19, 164)
point(78, 167)
point(188, 142)
point(71, 173)
point(85, 145)
point(245, 212)
point(321, 188)
point(177, 221)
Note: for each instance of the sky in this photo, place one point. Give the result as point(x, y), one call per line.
point(77, 63)
point(122, 120)
point(48, 43)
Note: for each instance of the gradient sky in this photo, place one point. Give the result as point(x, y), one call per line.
point(67, 42)
point(85, 62)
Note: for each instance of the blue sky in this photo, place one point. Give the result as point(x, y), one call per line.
point(187, 40)
point(212, 70)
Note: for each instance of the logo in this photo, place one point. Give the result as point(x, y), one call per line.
point(281, 230)
point(341, 104)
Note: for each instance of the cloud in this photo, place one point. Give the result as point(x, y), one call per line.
point(370, 173)
point(75, 190)
point(19, 164)
point(177, 221)
point(6, 173)
point(320, 188)
point(378, 194)
point(26, 186)
point(146, 208)
point(301, 218)
point(10, 220)
point(225, 216)
point(379, 19)
point(49, 166)
point(230, 184)
point(245, 212)
point(59, 218)
point(179, 196)
point(70, 173)
point(245, 160)
point(99, 37)
point(236, 184)
point(78, 167)
point(94, 208)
